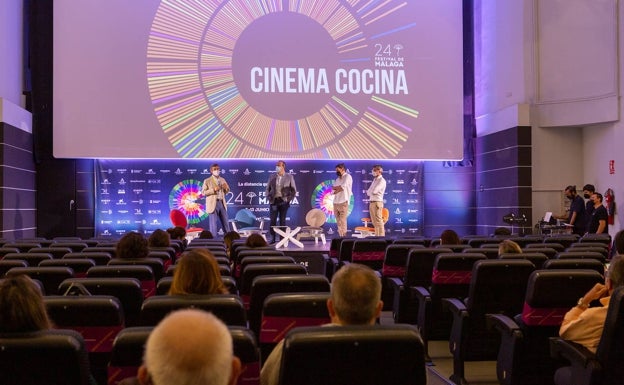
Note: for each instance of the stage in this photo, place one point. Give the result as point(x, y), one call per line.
point(312, 255)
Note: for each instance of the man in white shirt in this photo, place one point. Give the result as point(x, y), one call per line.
point(342, 190)
point(375, 206)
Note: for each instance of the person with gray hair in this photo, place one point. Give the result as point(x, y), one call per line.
point(189, 347)
point(355, 299)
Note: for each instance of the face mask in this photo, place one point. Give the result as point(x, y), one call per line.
point(586, 196)
point(215, 173)
point(278, 169)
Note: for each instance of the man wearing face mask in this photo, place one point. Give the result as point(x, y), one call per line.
point(576, 214)
point(215, 189)
point(342, 195)
point(281, 189)
point(375, 193)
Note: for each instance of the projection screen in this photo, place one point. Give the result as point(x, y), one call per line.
point(258, 79)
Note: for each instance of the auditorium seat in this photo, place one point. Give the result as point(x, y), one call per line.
point(7, 250)
point(573, 263)
point(97, 318)
point(496, 287)
point(127, 290)
point(75, 247)
point(141, 272)
point(263, 286)
point(101, 249)
point(227, 307)
point(128, 348)
point(369, 252)
point(537, 259)
point(100, 259)
point(32, 259)
point(524, 353)
point(255, 270)
point(451, 277)
point(418, 273)
point(55, 357)
point(156, 264)
point(6, 265)
point(50, 276)
point(366, 355)
point(581, 255)
point(548, 251)
point(489, 252)
point(79, 266)
point(55, 252)
point(284, 311)
point(22, 247)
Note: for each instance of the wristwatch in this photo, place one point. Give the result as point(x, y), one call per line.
point(582, 304)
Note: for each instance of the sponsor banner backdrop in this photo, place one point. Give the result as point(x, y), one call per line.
point(138, 195)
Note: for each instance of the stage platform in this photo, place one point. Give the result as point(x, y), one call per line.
point(312, 255)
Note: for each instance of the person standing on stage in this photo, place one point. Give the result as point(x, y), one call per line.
point(281, 189)
point(342, 190)
point(376, 201)
point(214, 189)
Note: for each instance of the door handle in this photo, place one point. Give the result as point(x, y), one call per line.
point(71, 204)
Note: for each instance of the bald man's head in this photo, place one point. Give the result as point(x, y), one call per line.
point(189, 347)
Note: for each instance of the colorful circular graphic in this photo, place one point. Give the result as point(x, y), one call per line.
point(322, 198)
point(283, 79)
point(186, 197)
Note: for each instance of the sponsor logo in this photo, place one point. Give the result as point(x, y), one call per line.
point(133, 171)
point(122, 170)
point(191, 171)
point(205, 172)
point(155, 191)
point(122, 181)
point(412, 192)
point(400, 181)
point(397, 211)
point(395, 201)
point(109, 212)
point(153, 181)
point(123, 222)
point(138, 212)
point(246, 172)
point(121, 202)
point(155, 222)
point(106, 222)
point(140, 201)
point(105, 201)
point(177, 171)
point(121, 191)
point(155, 212)
point(412, 211)
point(397, 191)
point(155, 201)
point(105, 191)
point(105, 181)
point(233, 171)
point(137, 191)
point(137, 180)
point(122, 211)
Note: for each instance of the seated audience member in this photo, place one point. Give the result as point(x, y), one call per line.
point(22, 309)
point(178, 233)
point(449, 237)
point(501, 232)
point(188, 347)
point(205, 234)
point(256, 240)
point(583, 324)
point(159, 238)
point(132, 245)
point(355, 299)
point(228, 239)
point(21, 306)
point(509, 247)
point(197, 272)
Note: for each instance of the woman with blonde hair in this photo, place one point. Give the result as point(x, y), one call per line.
point(21, 306)
point(197, 272)
point(509, 247)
